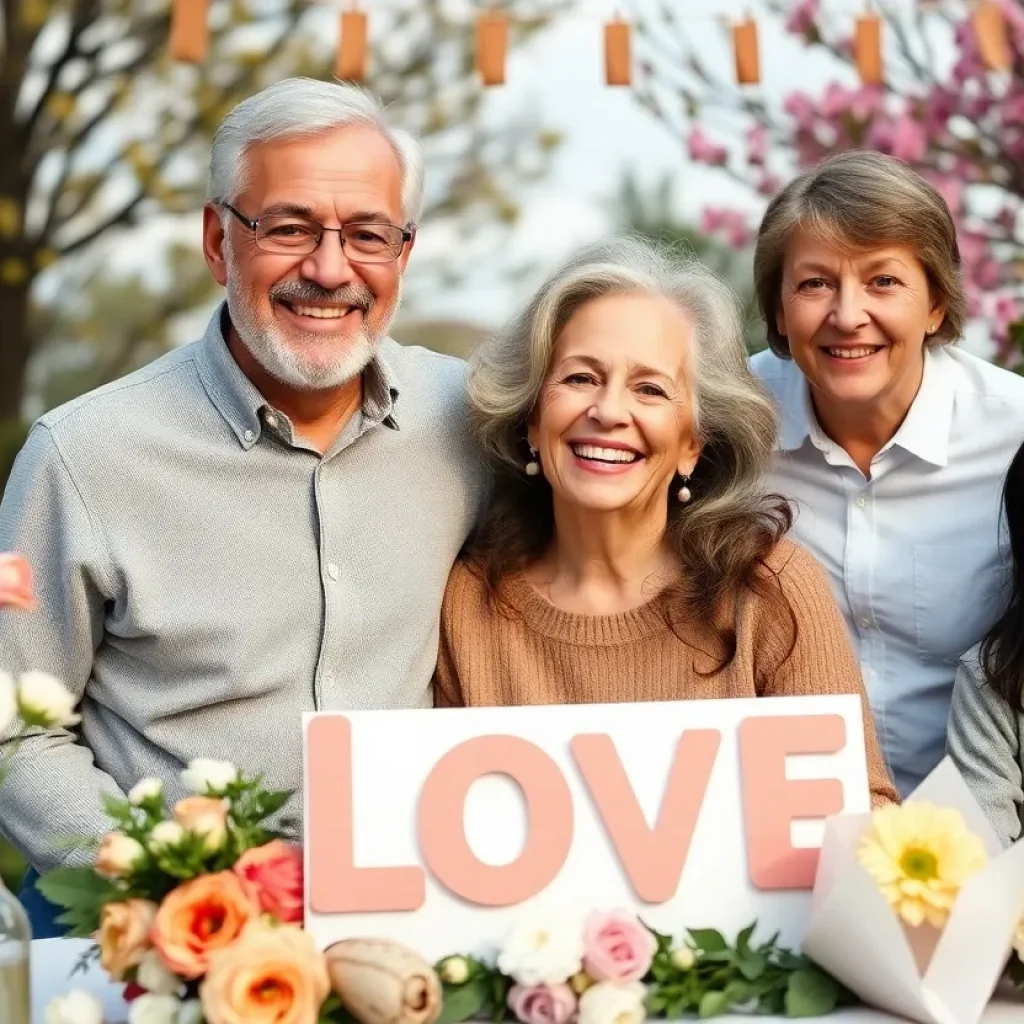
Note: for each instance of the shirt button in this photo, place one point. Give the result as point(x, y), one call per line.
point(249, 435)
point(862, 501)
point(332, 571)
point(865, 621)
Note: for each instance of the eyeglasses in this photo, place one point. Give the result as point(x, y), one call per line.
point(292, 235)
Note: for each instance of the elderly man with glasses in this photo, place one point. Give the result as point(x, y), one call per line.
point(260, 523)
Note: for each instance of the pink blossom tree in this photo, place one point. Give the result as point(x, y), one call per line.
point(939, 109)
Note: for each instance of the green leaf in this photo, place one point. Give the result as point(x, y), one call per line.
point(500, 986)
point(76, 887)
point(751, 964)
point(810, 993)
point(712, 1004)
point(743, 939)
point(709, 940)
point(464, 1002)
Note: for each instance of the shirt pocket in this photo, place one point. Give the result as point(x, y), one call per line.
point(955, 590)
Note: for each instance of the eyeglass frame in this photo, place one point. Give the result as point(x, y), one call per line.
point(408, 233)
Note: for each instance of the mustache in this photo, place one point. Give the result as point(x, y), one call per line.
point(299, 292)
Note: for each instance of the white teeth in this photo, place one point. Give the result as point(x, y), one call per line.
point(321, 312)
point(850, 353)
point(589, 451)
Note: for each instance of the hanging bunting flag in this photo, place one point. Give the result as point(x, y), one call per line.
point(190, 34)
point(350, 65)
point(990, 32)
point(867, 48)
point(618, 64)
point(745, 52)
point(491, 47)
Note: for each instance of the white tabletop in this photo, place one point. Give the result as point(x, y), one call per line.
point(54, 959)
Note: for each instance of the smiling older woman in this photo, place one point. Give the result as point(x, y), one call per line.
point(628, 553)
point(894, 443)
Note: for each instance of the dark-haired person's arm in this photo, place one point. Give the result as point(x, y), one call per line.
point(821, 660)
point(984, 743)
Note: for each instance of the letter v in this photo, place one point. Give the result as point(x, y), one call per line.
point(653, 858)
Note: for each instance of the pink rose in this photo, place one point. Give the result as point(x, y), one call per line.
point(272, 875)
point(542, 1004)
point(15, 583)
point(617, 947)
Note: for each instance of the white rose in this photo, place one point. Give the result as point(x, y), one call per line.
point(610, 1003)
point(541, 954)
point(683, 958)
point(118, 854)
point(8, 702)
point(145, 790)
point(205, 776)
point(191, 1012)
point(154, 977)
point(154, 1009)
point(44, 700)
point(164, 835)
point(77, 1007)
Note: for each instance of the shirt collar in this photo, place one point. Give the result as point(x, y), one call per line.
point(924, 432)
point(245, 409)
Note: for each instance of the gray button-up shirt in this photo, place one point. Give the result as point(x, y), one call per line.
point(205, 576)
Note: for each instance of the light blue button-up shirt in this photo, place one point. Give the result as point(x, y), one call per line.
point(916, 554)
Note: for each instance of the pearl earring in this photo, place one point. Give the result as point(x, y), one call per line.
point(533, 466)
point(683, 494)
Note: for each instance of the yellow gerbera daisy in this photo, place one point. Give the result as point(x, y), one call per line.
point(920, 855)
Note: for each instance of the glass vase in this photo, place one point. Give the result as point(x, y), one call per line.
point(15, 948)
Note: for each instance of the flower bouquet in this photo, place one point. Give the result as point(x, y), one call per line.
point(917, 907)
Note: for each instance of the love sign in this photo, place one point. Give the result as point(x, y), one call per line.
point(440, 827)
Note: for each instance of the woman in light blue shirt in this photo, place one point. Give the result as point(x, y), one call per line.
point(986, 723)
point(894, 442)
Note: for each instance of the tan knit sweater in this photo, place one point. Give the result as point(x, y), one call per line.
point(524, 650)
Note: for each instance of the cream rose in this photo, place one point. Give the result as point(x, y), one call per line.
point(145, 791)
point(205, 816)
point(208, 777)
point(8, 702)
point(610, 1003)
point(154, 977)
point(150, 1008)
point(44, 700)
point(541, 954)
point(77, 1007)
point(118, 854)
point(123, 935)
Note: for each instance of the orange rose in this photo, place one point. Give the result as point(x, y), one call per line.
point(204, 816)
point(271, 975)
point(123, 935)
point(198, 918)
point(15, 582)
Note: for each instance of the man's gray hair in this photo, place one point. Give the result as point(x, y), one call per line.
point(303, 107)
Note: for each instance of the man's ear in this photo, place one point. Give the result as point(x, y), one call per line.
point(213, 244)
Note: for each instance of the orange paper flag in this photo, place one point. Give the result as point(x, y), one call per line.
point(350, 65)
point(867, 48)
point(190, 35)
point(618, 64)
point(491, 47)
point(990, 31)
point(745, 52)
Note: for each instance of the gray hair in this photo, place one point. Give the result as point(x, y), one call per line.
point(303, 107)
point(734, 417)
point(857, 202)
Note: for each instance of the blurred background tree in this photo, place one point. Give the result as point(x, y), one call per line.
point(102, 133)
point(940, 109)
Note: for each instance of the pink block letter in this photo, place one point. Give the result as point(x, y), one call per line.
point(443, 844)
point(334, 884)
point(653, 859)
point(771, 802)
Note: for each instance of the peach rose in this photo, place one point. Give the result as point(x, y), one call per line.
point(204, 816)
point(272, 875)
point(118, 854)
point(197, 919)
point(123, 935)
point(271, 975)
point(16, 582)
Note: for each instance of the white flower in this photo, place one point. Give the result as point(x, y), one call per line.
point(610, 1003)
point(77, 1007)
point(144, 791)
point(8, 702)
point(683, 958)
point(454, 970)
point(154, 977)
point(164, 835)
point(154, 1009)
point(191, 1012)
point(44, 700)
point(206, 776)
point(541, 954)
point(118, 854)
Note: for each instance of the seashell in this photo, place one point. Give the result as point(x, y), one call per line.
point(383, 982)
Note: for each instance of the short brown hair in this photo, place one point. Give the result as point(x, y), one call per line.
point(862, 200)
